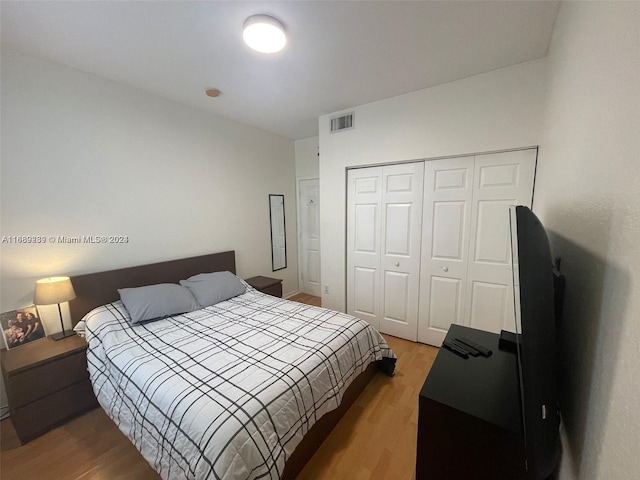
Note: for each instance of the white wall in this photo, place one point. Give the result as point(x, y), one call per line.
point(494, 111)
point(307, 165)
point(85, 156)
point(588, 197)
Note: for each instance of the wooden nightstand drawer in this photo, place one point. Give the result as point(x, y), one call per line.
point(31, 421)
point(42, 380)
point(275, 290)
point(47, 382)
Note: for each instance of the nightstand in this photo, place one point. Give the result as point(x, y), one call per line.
point(47, 383)
point(271, 286)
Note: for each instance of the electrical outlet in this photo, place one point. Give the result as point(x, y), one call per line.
point(326, 289)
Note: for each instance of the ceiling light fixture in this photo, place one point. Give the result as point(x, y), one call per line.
point(264, 34)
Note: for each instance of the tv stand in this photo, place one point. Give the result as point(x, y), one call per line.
point(470, 417)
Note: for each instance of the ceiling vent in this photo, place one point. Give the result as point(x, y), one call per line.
point(344, 122)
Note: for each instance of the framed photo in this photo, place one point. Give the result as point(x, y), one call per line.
point(21, 326)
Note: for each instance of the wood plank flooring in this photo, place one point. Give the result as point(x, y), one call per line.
point(306, 298)
point(376, 439)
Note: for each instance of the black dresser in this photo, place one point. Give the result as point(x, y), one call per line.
point(470, 420)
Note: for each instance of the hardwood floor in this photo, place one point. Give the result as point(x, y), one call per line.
point(89, 447)
point(306, 298)
point(376, 439)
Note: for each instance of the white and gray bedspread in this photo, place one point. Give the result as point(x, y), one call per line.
point(226, 392)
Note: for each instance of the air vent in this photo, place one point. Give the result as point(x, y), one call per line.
point(344, 122)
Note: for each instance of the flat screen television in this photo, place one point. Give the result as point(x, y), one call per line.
point(533, 284)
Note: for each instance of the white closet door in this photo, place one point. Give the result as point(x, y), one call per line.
point(448, 188)
point(500, 180)
point(420, 259)
point(364, 197)
point(309, 205)
point(400, 261)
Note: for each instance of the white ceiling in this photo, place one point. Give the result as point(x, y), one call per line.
point(339, 54)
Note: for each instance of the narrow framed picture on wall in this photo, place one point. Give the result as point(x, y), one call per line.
point(21, 326)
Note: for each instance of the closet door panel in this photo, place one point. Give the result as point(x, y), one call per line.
point(500, 180)
point(446, 302)
point(396, 292)
point(366, 228)
point(398, 230)
point(364, 288)
point(490, 303)
point(492, 245)
point(400, 259)
point(448, 189)
point(363, 243)
point(449, 230)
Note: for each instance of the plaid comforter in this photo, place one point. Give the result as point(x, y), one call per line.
point(226, 392)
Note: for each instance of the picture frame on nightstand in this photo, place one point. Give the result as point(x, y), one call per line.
point(21, 327)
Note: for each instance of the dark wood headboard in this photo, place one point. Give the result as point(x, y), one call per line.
point(95, 289)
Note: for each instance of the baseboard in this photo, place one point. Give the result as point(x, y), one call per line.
point(290, 294)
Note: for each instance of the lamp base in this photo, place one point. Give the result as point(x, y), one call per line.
point(62, 335)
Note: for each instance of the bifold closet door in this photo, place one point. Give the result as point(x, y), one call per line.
point(466, 254)
point(448, 190)
point(384, 217)
point(364, 202)
point(499, 180)
point(400, 261)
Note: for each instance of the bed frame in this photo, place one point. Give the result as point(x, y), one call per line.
point(95, 289)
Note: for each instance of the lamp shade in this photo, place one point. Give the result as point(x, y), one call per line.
point(53, 290)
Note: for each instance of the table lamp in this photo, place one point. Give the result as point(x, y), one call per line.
point(55, 290)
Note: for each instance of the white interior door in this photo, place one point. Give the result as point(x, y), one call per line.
point(400, 260)
point(309, 207)
point(500, 180)
point(364, 197)
point(448, 189)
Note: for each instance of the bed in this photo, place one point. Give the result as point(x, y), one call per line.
point(246, 388)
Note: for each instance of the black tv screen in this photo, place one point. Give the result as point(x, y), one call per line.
point(536, 346)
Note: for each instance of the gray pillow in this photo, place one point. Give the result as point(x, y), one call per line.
point(211, 288)
point(157, 301)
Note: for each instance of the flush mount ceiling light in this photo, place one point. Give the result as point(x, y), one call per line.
point(264, 34)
